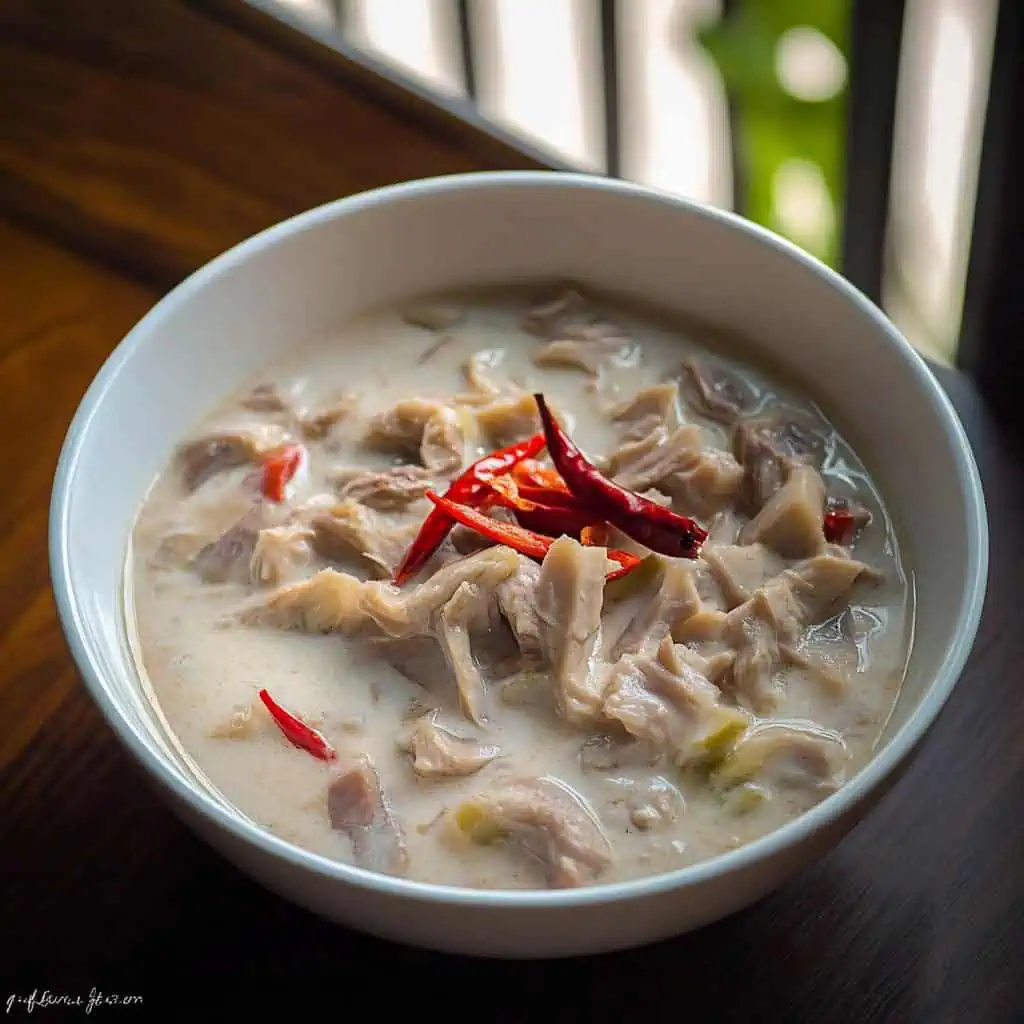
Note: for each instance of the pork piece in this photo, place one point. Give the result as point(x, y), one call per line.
point(349, 529)
point(228, 559)
point(715, 392)
point(433, 316)
point(508, 419)
point(569, 598)
point(653, 803)
point(587, 353)
point(224, 449)
point(707, 586)
point(676, 600)
point(808, 593)
point(768, 448)
point(358, 807)
point(548, 821)
point(793, 755)
point(456, 601)
point(775, 617)
point(517, 601)
point(577, 334)
point(284, 403)
point(335, 602)
point(700, 480)
point(664, 701)
point(400, 429)
point(650, 408)
point(422, 429)
point(421, 661)
point(723, 529)
point(684, 597)
point(792, 521)
point(241, 724)
point(465, 541)
point(657, 497)
point(821, 585)
point(271, 398)
point(198, 519)
point(557, 316)
point(496, 650)
point(280, 551)
point(316, 424)
point(443, 444)
point(439, 754)
point(713, 663)
point(387, 490)
point(740, 569)
point(177, 548)
point(824, 670)
point(705, 626)
point(485, 377)
point(467, 609)
point(755, 630)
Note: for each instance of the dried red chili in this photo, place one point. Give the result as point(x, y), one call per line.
point(647, 522)
point(595, 536)
point(552, 513)
point(547, 496)
point(627, 563)
point(552, 522)
point(533, 473)
point(838, 525)
point(526, 542)
point(844, 520)
point(471, 488)
point(296, 731)
point(279, 469)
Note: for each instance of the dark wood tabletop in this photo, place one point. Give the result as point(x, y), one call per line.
point(918, 916)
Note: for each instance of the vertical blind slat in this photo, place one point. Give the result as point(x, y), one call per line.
point(467, 51)
point(610, 77)
point(876, 38)
point(989, 347)
point(341, 15)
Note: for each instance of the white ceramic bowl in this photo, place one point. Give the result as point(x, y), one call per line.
point(302, 277)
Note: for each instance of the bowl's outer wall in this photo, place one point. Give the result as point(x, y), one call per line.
point(524, 932)
point(305, 277)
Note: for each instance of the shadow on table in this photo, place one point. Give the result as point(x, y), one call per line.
point(781, 960)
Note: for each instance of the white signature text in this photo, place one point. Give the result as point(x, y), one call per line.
point(45, 999)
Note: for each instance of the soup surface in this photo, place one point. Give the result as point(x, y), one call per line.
point(584, 712)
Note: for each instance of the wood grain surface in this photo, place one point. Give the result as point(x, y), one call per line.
point(154, 136)
point(917, 917)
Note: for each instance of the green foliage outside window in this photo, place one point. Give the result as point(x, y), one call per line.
point(779, 134)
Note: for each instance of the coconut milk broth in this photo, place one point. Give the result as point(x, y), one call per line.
point(205, 676)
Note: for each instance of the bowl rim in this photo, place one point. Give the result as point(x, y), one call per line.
point(823, 814)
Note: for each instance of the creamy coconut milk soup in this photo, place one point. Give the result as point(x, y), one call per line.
point(659, 622)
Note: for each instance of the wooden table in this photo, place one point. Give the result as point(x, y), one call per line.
point(917, 917)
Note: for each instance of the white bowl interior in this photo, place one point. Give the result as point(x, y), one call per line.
point(305, 277)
